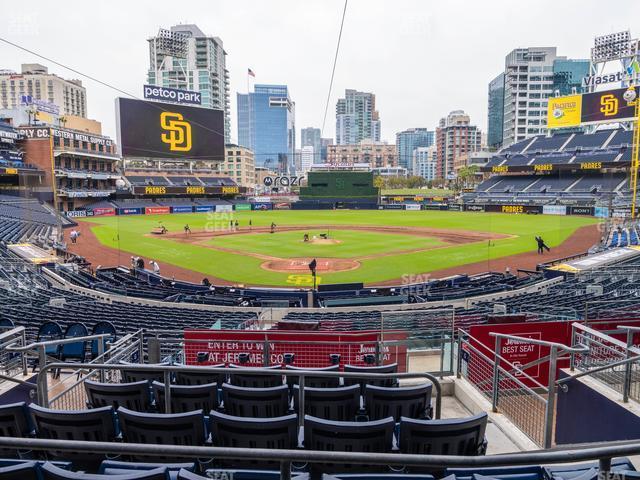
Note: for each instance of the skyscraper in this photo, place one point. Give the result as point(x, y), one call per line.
point(266, 125)
point(184, 57)
point(310, 137)
point(357, 118)
point(455, 138)
point(408, 140)
point(531, 76)
point(495, 112)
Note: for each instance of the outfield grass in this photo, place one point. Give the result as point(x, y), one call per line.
point(128, 234)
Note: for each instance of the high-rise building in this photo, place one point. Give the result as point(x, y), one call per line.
point(307, 157)
point(324, 142)
point(425, 161)
point(357, 118)
point(184, 57)
point(455, 138)
point(310, 137)
point(239, 165)
point(266, 125)
point(408, 140)
point(495, 112)
point(376, 154)
point(45, 91)
point(531, 76)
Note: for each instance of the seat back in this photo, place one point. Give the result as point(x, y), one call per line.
point(192, 377)
point(52, 472)
point(187, 398)
point(410, 402)
point(315, 382)
point(339, 404)
point(162, 428)
point(255, 402)
point(368, 437)
point(6, 323)
point(253, 380)
point(271, 433)
point(50, 331)
point(134, 396)
point(90, 425)
point(20, 471)
point(455, 436)
point(99, 328)
point(14, 422)
point(130, 376)
point(76, 350)
point(389, 382)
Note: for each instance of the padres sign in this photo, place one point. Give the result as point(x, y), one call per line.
point(179, 132)
point(589, 108)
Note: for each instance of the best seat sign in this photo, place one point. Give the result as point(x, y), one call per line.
point(173, 95)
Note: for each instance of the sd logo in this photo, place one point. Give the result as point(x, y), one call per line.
point(179, 132)
point(609, 105)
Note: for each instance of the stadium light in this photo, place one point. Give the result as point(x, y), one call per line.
point(613, 46)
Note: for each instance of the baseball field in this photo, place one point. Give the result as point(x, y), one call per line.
point(370, 246)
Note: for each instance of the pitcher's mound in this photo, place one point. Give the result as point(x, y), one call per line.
point(301, 265)
point(324, 241)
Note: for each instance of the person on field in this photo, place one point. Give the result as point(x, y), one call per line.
point(187, 229)
point(273, 227)
point(542, 246)
point(236, 225)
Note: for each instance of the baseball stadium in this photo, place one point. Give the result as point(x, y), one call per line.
point(161, 320)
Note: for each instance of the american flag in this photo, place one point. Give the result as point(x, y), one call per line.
point(250, 72)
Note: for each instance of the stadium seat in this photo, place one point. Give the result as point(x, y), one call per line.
point(52, 472)
point(575, 471)
point(255, 402)
point(50, 331)
point(369, 437)
point(315, 382)
point(117, 467)
point(14, 422)
point(254, 380)
point(388, 382)
point(457, 436)
point(77, 350)
point(525, 472)
point(90, 425)
point(162, 428)
point(130, 376)
point(187, 398)
point(192, 377)
point(20, 471)
point(134, 396)
point(6, 323)
point(100, 328)
point(230, 431)
point(410, 402)
point(340, 404)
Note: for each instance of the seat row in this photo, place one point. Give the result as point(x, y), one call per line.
point(460, 436)
point(341, 403)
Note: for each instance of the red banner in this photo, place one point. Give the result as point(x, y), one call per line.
point(104, 212)
point(310, 349)
point(157, 210)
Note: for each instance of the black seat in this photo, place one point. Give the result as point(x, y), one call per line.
point(255, 402)
point(271, 433)
point(340, 404)
point(192, 376)
point(118, 467)
point(187, 398)
point(455, 436)
point(369, 437)
point(100, 328)
point(14, 422)
point(76, 350)
point(51, 472)
point(388, 382)
point(410, 402)
point(315, 382)
point(89, 425)
point(254, 380)
point(20, 471)
point(134, 396)
point(50, 331)
point(162, 428)
point(130, 376)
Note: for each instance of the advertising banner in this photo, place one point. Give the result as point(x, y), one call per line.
point(243, 206)
point(203, 208)
point(554, 209)
point(130, 211)
point(455, 207)
point(104, 212)
point(262, 206)
point(77, 214)
point(153, 129)
point(601, 212)
point(311, 350)
point(394, 206)
point(473, 208)
point(173, 95)
point(564, 111)
point(412, 206)
point(282, 206)
point(581, 210)
point(157, 210)
point(224, 208)
point(182, 209)
point(514, 208)
point(158, 190)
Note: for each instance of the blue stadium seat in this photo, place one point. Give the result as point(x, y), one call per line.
point(340, 404)
point(14, 422)
point(52, 472)
point(101, 328)
point(20, 471)
point(410, 402)
point(315, 382)
point(134, 396)
point(187, 398)
point(77, 350)
point(193, 377)
point(117, 467)
point(255, 402)
point(254, 380)
point(388, 382)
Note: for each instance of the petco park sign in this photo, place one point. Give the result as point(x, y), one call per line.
point(173, 95)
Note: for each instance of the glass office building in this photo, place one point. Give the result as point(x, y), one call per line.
point(408, 140)
point(568, 74)
point(266, 125)
point(496, 112)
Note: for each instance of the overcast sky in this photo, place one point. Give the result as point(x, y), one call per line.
point(421, 58)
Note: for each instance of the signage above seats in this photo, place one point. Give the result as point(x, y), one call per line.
point(172, 95)
point(159, 190)
point(590, 108)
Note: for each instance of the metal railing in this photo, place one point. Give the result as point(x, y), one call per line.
point(13, 363)
point(168, 370)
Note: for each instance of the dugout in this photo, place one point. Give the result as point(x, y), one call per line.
point(339, 189)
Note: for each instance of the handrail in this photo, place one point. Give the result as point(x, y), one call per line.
point(609, 339)
point(168, 369)
point(62, 341)
point(544, 343)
